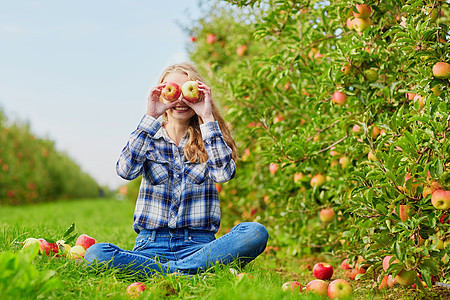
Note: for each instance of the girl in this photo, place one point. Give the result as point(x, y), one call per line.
point(177, 212)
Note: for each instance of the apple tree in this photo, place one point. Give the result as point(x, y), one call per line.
point(340, 105)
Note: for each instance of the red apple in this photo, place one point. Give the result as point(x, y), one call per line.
point(326, 215)
point(387, 261)
point(441, 199)
point(405, 212)
point(193, 39)
point(85, 241)
point(293, 286)
point(362, 11)
point(356, 271)
point(444, 218)
point(190, 91)
point(356, 128)
point(344, 265)
point(241, 50)
point(211, 38)
point(430, 189)
point(339, 98)
point(47, 248)
point(340, 289)
point(135, 289)
point(441, 70)
point(171, 91)
point(298, 177)
point(273, 168)
point(317, 180)
point(317, 287)
point(323, 271)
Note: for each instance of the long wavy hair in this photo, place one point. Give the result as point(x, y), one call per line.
point(194, 151)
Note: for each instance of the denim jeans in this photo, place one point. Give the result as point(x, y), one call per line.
point(182, 250)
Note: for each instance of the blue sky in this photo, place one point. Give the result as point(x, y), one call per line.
point(80, 71)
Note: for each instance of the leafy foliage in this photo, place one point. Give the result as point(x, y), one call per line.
point(392, 129)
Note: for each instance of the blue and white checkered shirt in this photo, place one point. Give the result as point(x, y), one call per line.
point(174, 192)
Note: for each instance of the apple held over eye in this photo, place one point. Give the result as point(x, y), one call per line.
point(340, 289)
point(190, 91)
point(293, 286)
point(135, 289)
point(323, 271)
point(171, 91)
point(85, 241)
point(441, 199)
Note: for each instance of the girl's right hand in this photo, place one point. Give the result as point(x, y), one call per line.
point(155, 108)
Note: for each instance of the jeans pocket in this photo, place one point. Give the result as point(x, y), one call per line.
point(142, 243)
point(201, 239)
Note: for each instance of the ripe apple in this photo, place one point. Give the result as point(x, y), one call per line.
point(405, 212)
point(210, 38)
point(273, 168)
point(346, 69)
point(317, 287)
point(340, 289)
point(344, 161)
point(326, 215)
point(430, 189)
point(85, 241)
point(375, 132)
point(339, 98)
point(298, 177)
point(31, 241)
point(190, 91)
point(76, 252)
point(421, 99)
point(135, 289)
point(406, 278)
point(47, 248)
point(241, 50)
point(323, 271)
point(360, 25)
point(386, 282)
point(371, 156)
point(62, 246)
point(362, 11)
point(444, 218)
point(356, 128)
point(441, 70)
point(171, 91)
point(387, 261)
point(293, 286)
point(317, 180)
point(241, 276)
point(410, 96)
point(371, 75)
point(356, 271)
point(437, 91)
point(441, 199)
point(344, 265)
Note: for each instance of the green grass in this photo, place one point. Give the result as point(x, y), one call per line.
point(110, 221)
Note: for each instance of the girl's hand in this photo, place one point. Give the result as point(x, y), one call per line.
point(203, 108)
point(155, 108)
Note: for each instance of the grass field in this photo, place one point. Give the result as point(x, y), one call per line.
point(110, 221)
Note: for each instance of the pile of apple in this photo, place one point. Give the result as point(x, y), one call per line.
point(60, 247)
point(336, 289)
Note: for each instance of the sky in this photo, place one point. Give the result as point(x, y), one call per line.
point(79, 72)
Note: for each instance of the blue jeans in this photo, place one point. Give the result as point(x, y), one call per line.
point(182, 250)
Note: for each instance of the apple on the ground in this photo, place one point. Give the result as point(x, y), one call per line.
point(345, 265)
point(406, 278)
point(340, 289)
point(357, 271)
point(190, 91)
point(293, 286)
point(30, 241)
point(323, 271)
point(85, 241)
point(171, 91)
point(76, 252)
point(47, 248)
point(135, 289)
point(318, 287)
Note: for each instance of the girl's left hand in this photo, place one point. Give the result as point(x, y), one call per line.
point(203, 108)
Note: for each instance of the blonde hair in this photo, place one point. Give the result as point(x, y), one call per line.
point(194, 151)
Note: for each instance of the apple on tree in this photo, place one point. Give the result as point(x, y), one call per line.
point(339, 98)
point(171, 91)
point(363, 11)
point(441, 199)
point(273, 168)
point(190, 91)
point(317, 180)
point(326, 215)
point(441, 70)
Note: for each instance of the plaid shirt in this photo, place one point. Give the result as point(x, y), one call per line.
point(174, 192)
